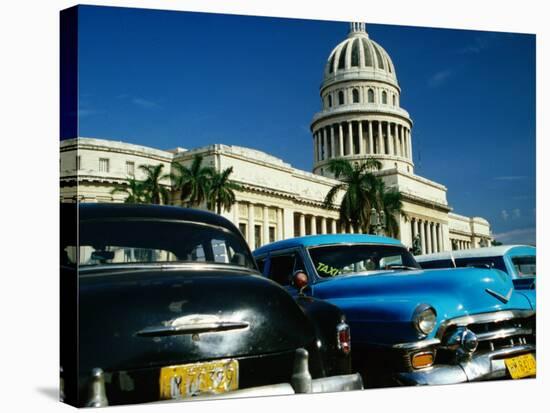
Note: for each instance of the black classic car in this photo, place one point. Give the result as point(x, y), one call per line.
point(161, 303)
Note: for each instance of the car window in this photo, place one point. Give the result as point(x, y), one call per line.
point(127, 241)
point(428, 265)
point(283, 266)
point(489, 262)
point(334, 260)
point(525, 266)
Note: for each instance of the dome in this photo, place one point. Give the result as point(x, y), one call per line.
point(359, 57)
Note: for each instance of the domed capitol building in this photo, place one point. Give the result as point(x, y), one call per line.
point(361, 117)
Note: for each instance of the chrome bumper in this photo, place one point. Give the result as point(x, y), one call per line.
point(484, 366)
point(301, 382)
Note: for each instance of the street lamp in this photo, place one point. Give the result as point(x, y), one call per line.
point(377, 221)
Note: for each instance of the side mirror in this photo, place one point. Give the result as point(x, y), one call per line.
point(299, 280)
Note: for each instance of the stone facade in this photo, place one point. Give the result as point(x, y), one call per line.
point(360, 118)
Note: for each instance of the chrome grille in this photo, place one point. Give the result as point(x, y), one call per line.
point(495, 331)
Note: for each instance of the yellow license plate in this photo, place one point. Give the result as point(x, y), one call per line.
point(187, 380)
point(521, 366)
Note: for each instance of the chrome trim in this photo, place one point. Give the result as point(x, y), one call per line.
point(415, 345)
point(502, 298)
point(504, 333)
point(168, 330)
point(97, 396)
point(165, 266)
point(483, 318)
point(484, 366)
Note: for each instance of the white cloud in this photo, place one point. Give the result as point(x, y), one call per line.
point(504, 214)
point(509, 178)
point(516, 213)
point(439, 78)
point(145, 103)
point(518, 236)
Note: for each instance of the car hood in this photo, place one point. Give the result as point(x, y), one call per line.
point(151, 317)
point(380, 306)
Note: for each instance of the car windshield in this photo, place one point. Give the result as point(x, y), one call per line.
point(525, 266)
point(334, 260)
point(154, 241)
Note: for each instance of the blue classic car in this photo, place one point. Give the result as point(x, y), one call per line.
point(519, 261)
point(411, 326)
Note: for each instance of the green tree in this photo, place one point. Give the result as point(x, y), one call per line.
point(193, 182)
point(156, 193)
point(360, 186)
point(133, 189)
point(221, 193)
point(389, 201)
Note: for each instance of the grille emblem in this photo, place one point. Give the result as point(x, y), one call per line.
point(503, 298)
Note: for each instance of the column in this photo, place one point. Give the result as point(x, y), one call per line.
point(351, 229)
point(371, 139)
point(323, 225)
point(332, 142)
point(445, 236)
point(422, 236)
point(323, 144)
point(428, 239)
point(391, 148)
point(236, 213)
point(441, 244)
point(265, 239)
point(288, 221)
point(315, 152)
point(340, 140)
point(313, 225)
point(302, 225)
point(381, 147)
point(279, 224)
point(251, 241)
point(333, 224)
point(361, 143)
point(409, 147)
point(350, 138)
point(434, 239)
point(319, 146)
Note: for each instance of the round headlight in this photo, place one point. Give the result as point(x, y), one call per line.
point(424, 319)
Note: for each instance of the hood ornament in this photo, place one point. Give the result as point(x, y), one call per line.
point(503, 298)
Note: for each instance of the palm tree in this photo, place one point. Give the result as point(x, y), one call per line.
point(156, 193)
point(133, 189)
point(220, 191)
point(193, 182)
point(390, 201)
point(359, 184)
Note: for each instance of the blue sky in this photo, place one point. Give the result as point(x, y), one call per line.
point(167, 79)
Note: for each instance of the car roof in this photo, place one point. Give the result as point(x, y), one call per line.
point(110, 210)
point(483, 252)
point(316, 240)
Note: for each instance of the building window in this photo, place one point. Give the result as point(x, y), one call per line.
point(394, 100)
point(103, 165)
point(329, 100)
point(78, 163)
point(242, 228)
point(384, 98)
point(130, 168)
point(271, 234)
point(355, 96)
point(340, 98)
point(257, 236)
point(371, 96)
